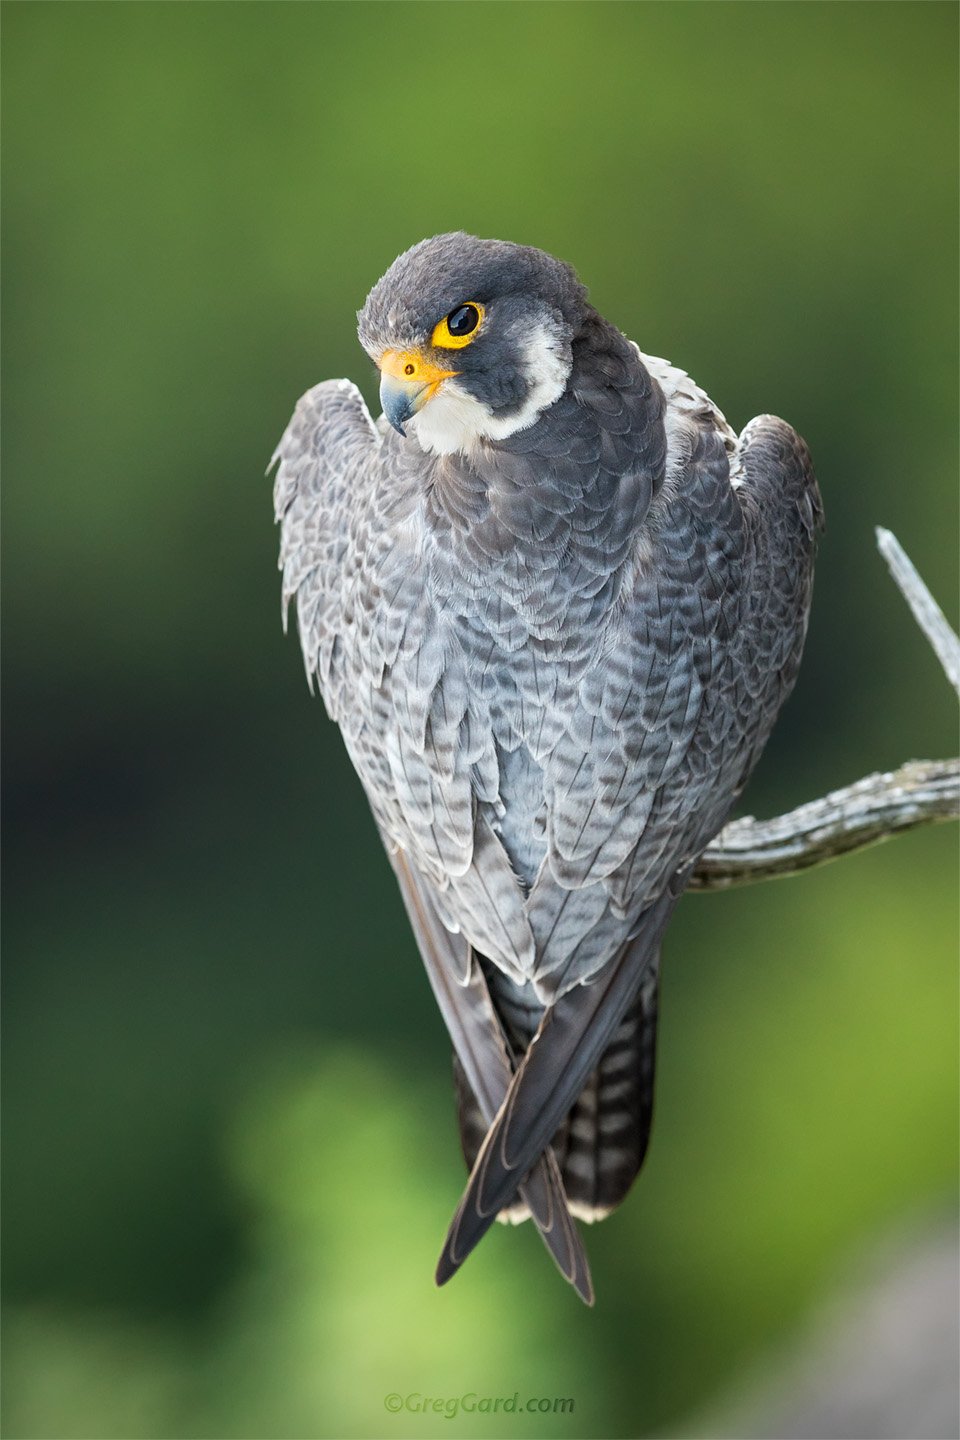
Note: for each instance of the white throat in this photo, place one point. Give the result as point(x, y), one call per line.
point(453, 421)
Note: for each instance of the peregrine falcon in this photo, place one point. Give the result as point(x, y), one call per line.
point(554, 603)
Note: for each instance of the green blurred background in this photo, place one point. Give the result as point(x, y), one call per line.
point(230, 1145)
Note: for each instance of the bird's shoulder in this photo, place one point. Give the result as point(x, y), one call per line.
point(773, 479)
point(685, 402)
point(330, 427)
point(336, 498)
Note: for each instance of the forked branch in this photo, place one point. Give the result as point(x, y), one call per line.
point(921, 792)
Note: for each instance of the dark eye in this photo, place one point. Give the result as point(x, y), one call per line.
point(462, 320)
point(459, 328)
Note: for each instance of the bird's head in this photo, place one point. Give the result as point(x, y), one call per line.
point(472, 338)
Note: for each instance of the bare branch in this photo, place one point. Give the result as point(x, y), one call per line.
point(922, 792)
point(926, 611)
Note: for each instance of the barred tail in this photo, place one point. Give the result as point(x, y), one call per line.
point(602, 1143)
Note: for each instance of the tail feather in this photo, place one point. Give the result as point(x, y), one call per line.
point(601, 1144)
point(482, 1052)
point(570, 1041)
point(604, 1141)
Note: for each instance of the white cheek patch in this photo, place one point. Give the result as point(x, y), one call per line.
point(453, 421)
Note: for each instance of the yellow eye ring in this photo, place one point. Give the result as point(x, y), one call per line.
point(460, 328)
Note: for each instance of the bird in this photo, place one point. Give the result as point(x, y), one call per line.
point(554, 603)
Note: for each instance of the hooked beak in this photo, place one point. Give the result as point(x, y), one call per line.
point(407, 382)
point(400, 400)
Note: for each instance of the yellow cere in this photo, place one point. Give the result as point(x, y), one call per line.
point(412, 366)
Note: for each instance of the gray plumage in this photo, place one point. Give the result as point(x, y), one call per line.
point(555, 653)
